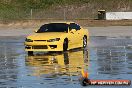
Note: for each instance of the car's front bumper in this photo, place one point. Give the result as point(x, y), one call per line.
point(44, 46)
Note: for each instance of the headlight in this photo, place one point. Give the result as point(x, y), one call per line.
point(28, 40)
point(53, 40)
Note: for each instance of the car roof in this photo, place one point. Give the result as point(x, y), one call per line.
point(67, 22)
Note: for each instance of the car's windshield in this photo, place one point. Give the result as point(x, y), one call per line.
point(53, 27)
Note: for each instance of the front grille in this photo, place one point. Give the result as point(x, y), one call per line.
point(40, 47)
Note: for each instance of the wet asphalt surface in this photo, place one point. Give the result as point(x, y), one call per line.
point(104, 58)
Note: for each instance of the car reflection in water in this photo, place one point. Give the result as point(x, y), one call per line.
point(68, 63)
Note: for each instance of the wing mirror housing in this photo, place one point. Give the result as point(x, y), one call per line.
point(73, 31)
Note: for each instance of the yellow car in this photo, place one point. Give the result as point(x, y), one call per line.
point(57, 36)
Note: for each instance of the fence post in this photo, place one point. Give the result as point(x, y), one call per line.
point(31, 14)
point(64, 14)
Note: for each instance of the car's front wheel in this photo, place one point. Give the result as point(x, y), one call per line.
point(65, 45)
point(84, 42)
point(30, 53)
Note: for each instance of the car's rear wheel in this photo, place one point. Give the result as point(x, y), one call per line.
point(30, 53)
point(65, 45)
point(84, 41)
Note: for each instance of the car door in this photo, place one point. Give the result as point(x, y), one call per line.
point(79, 34)
point(74, 37)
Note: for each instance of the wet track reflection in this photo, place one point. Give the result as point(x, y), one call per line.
point(112, 57)
point(68, 63)
point(105, 58)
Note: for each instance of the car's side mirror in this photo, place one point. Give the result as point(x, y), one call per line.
point(35, 31)
point(73, 31)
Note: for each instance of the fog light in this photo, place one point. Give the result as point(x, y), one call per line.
point(53, 46)
point(27, 47)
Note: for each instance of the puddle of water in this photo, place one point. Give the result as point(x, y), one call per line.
point(68, 63)
point(106, 58)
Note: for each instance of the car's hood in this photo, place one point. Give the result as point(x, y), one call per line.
point(46, 36)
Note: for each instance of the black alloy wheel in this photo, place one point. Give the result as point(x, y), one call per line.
point(30, 53)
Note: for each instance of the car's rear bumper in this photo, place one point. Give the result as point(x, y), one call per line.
point(39, 46)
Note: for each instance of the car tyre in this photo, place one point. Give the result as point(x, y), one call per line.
point(65, 45)
point(30, 53)
point(84, 42)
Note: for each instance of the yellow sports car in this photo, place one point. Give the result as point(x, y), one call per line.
point(59, 36)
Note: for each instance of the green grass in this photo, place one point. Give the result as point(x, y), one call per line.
point(20, 9)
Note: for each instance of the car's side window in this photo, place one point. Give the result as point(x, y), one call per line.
point(74, 26)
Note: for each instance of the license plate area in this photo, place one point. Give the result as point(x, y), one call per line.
point(40, 47)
